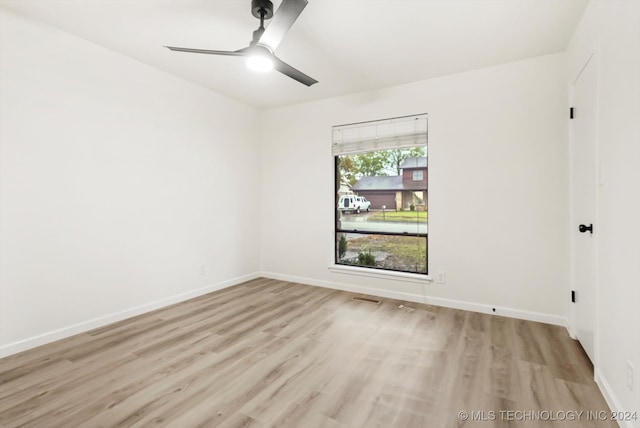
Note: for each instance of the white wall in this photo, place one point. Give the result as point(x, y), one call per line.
point(612, 30)
point(498, 210)
point(121, 187)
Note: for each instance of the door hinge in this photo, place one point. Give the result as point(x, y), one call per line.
point(571, 113)
point(573, 296)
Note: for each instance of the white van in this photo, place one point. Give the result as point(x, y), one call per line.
point(353, 203)
point(363, 203)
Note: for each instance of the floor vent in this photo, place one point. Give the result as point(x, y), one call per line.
point(367, 299)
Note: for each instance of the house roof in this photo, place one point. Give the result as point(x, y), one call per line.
point(379, 182)
point(417, 162)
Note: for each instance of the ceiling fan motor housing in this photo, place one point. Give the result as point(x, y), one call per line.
point(262, 7)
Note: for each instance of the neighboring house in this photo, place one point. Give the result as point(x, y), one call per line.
point(399, 191)
point(345, 189)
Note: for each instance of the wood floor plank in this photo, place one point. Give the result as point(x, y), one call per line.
point(269, 353)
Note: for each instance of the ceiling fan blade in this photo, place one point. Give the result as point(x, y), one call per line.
point(282, 21)
point(206, 51)
point(287, 70)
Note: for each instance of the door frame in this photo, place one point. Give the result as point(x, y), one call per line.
point(592, 57)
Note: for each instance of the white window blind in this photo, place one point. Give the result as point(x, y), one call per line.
point(397, 133)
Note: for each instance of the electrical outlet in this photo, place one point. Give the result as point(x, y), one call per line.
point(629, 376)
point(441, 277)
point(203, 270)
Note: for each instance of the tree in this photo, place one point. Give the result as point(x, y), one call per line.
point(383, 162)
point(397, 156)
point(353, 167)
point(371, 163)
point(347, 170)
point(342, 247)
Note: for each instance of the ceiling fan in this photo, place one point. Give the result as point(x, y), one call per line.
point(261, 50)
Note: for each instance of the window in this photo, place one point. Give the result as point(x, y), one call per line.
point(381, 194)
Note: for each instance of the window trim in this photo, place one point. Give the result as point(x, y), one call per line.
point(387, 274)
point(376, 135)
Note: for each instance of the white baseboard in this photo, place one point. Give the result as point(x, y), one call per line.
point(612, 400)
point(499, 310)
point(345, 287)
point(436, 301)
point(51, 336)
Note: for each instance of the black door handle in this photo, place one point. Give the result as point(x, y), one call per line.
point(583, 228)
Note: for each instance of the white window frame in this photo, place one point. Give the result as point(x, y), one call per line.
point(401, 132)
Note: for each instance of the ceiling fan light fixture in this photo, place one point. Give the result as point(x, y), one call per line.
point(259, 62)
point(259, 58)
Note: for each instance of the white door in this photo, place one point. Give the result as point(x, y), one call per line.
point(583, 203)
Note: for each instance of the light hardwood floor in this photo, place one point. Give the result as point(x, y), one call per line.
point(270, 353)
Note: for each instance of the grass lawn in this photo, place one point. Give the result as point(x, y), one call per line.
point(406, 216)
point(406, 253)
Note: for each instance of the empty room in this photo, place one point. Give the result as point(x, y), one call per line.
point(320, 213)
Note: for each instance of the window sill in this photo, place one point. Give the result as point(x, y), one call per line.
point(372, 273)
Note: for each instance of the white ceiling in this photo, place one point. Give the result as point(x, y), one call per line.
point(348, 45)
